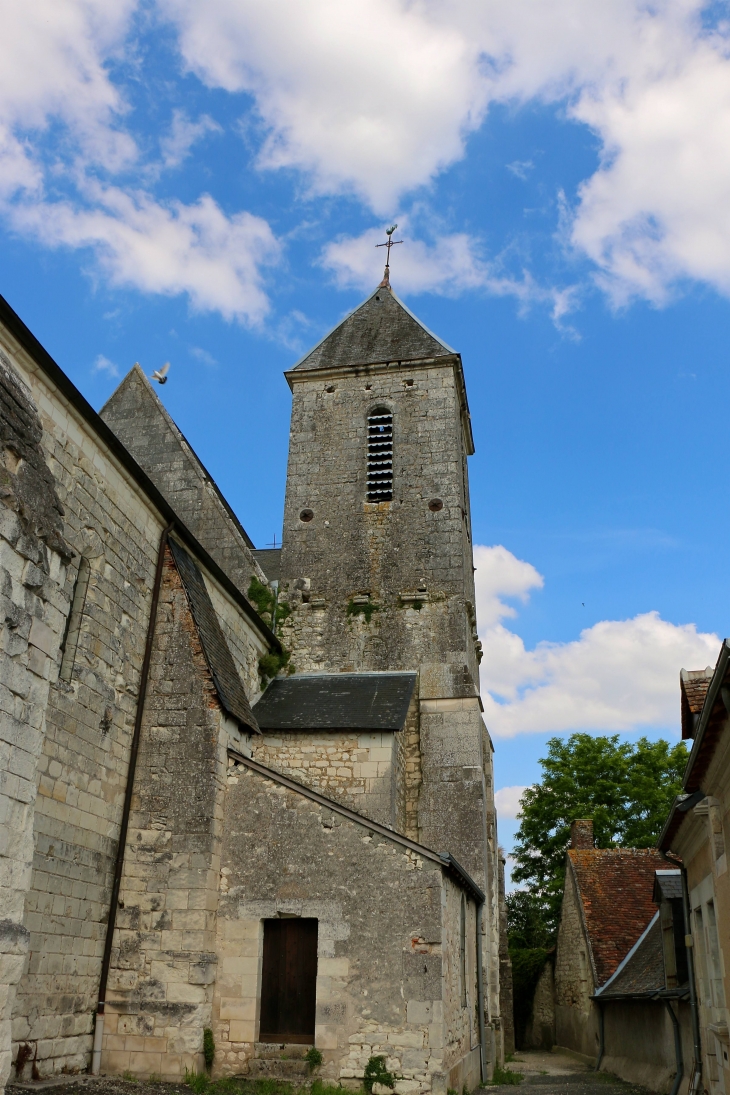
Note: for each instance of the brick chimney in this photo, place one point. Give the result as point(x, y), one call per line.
point(581, 833)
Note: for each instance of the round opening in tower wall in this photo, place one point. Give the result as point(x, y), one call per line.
point(435, 505)
point(306, 515)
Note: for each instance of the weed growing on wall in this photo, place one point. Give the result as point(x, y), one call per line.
point(365, 610)
point(377, 1073)
point(208, 1048)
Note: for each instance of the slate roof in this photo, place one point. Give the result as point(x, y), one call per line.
point(336, 701)
point(668, 885)
point(142, 423)
point(642, 970)
point(380, 329)
point(217, 653)
point(616, 887)
point(693, 685)
point(269, 559)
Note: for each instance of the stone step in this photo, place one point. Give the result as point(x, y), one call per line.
point(280, 1051)
point(278, 1070)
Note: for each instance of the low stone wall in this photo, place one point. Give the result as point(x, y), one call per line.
point(639, 1043)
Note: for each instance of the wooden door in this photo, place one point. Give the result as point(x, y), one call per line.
point(289, 981)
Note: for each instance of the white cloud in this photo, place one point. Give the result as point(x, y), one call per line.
point(203, 355)
point(507, 801)
point(52, 68)
point(376, 97)
point(618, 675)
point(104, 365)
point(194, 249)
point(184, 133)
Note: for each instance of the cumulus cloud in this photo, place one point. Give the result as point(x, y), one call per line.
point(617, 675)
point(449, 265)
point(194, 249)
point(376, 97)
point(184, 133)
point(62, 121)
point(507, 801)
point(102, 364)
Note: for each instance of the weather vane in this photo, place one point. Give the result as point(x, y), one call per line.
point(390, 242)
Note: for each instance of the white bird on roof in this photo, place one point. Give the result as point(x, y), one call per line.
point(160, 375)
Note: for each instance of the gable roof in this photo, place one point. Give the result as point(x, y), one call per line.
point(217, 653)
point(380, 329)
point(141, 422)
point(641, 973)
point(337, 701)
point(615, 887)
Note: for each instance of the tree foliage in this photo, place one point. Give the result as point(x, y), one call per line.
point(627, 789)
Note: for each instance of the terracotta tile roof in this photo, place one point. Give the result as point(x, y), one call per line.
point(693, 685)
point(616, 887)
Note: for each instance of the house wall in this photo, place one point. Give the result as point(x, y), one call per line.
point(384, 917)
point(639, 1043)
point(702, 841)
point(576, 1020)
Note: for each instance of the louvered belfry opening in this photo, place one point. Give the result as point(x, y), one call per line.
point(380, 455)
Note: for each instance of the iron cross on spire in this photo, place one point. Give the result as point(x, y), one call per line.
point(390, 242)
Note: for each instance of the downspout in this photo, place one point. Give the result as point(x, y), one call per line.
point(696, 1045)
point(131, 769)
point(601, 1034)
point(677, 1049)
point(480, 998)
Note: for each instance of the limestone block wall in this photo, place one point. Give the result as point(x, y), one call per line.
point(384, 915)
point(351, 546)
point(164, 956)
point(576, 1023)
point(33, 560)
point(84, 756)
point(461, 1016)
point(361, 770)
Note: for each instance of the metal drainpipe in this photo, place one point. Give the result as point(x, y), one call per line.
point(601, 1034)
point(131, 769)
point(480, 998)
point(677, 1050)
point(696, 1045)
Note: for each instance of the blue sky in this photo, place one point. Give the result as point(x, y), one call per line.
point(205, 184)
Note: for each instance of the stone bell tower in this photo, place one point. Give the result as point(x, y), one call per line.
point(376, 562)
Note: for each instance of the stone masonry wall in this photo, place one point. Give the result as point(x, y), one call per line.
point(575, 1023)
point(163, 958)
point(381, 912)
point(83, 763)
point(84, 745)
point(33, 559)
point(352, 547)
point(360, 770)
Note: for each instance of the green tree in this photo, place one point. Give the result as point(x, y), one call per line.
point(627, 789)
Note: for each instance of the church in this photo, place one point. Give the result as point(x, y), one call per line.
point(247, 795)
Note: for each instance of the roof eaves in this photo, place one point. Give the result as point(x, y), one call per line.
point(444, 859)
point(58, 378)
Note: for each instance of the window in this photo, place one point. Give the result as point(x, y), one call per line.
point(70, 642)
point(380, 456)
